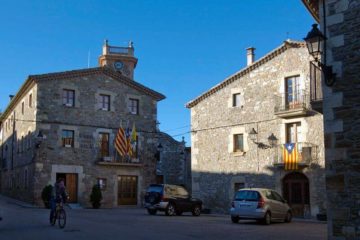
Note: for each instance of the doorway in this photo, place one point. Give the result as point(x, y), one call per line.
point(127, 190)
point(296, 192)
point(70, 181)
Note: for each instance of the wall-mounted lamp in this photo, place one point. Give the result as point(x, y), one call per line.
point(316, 45)
point(271, 139)
point(39, 139)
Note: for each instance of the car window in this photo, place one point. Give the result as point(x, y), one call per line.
point(247, 195)
point(268, 195)
point(155, 188)
point(277, 197)
point(182, 192)
point(171, 190)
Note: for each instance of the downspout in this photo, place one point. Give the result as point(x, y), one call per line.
point(12, 144)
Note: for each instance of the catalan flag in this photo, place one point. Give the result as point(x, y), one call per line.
point(290, 156)
point(121, 142)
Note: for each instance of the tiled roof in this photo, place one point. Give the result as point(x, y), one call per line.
point(286, 45)
point(99, 70)
point(32, 79)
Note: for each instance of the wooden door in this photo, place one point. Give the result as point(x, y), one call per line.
point(71, 187)
point(127, 190)
point(296, 192)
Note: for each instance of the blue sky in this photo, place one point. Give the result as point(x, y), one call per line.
point(184, 47)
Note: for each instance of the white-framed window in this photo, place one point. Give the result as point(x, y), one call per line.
point(69, 97)
point(133, 106)
point(236, 100)
point(104, 102)
point(238, 142)
point(67, 138)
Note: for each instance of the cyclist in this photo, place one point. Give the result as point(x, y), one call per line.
point(58, 194)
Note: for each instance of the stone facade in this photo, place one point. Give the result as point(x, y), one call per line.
point(30, 163)
point(340, 23)
point(174, 162)
point(218, 170)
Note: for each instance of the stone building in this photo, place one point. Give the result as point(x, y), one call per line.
point(340, 23)
point(174, 162)
point(64, 124)
point(270, 99)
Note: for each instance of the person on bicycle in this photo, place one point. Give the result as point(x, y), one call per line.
point(58, 194)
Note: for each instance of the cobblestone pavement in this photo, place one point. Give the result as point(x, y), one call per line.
point(25, 222)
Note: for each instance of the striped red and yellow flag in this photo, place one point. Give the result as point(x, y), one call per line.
point(121, 142)
point(290, 156)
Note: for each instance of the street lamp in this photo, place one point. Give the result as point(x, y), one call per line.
point(271, 139)
point(316, 45)
point(39, 139)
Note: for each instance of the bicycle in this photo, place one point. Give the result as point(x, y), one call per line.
point(59, 214)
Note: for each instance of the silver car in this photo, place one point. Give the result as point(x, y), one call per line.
point(260, 204)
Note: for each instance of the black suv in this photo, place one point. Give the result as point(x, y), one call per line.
point(172, 199)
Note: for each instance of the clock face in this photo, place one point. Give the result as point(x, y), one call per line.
point(118, 65)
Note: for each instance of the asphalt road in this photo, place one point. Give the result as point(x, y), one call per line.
point(134, 223)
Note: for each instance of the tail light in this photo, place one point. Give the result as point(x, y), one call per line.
point(232, 204)
point(163, 198)
point(261, 203)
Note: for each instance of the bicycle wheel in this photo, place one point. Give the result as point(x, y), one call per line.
point(52, 218)
point(62, 218)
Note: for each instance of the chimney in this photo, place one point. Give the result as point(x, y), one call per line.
point(250, 53)
point(11, 97)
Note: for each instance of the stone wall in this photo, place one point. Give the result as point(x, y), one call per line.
point(216, 169)
point(341, 118)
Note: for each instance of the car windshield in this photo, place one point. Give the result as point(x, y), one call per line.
point(155, 188)
point(246, 195)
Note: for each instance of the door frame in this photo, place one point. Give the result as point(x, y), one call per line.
point(297, 177)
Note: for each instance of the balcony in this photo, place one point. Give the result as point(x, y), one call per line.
point(316, 94)
point(307, 154)
point(119, 161)
point(292, 105)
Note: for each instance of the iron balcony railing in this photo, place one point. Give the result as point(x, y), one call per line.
point(298, 100)
point(306, 153)
point(107, 155)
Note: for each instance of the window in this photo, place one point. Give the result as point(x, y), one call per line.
point(30, 100)
point(236, 100)
point(238, 143)
point(133, 106)
point(22, 107)
point(293, 132)
point(102, 183)
point(238, 186)
point(69, 97)
point(104, 144)
point(293, 92)
point(67, 138)
point(104, 102)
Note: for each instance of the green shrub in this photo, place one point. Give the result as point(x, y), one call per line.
point(96, 196)
point(46, 195)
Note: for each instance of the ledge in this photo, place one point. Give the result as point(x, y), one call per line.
point(119, 164)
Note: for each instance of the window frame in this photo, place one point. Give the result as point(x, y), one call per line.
point(67, 99)
point(235, 97)
point(104, 101)
point(101, 143)
point(63, 139)
point(30, 100)
point(236, 143)
point(132, 106)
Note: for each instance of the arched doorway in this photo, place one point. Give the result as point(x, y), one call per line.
point(296, 192)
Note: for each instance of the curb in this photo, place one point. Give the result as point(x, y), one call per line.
point(18, 202)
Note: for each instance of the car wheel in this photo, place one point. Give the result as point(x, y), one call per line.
point(179, 213)
point(288, 217)
point(152, 211)
point(170, 210)
point(267, 218)
point(196, 210)
point(235, 219)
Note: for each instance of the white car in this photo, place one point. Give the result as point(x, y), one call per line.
point(260, 204)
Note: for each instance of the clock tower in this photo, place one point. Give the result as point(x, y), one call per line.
point(121, 59)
